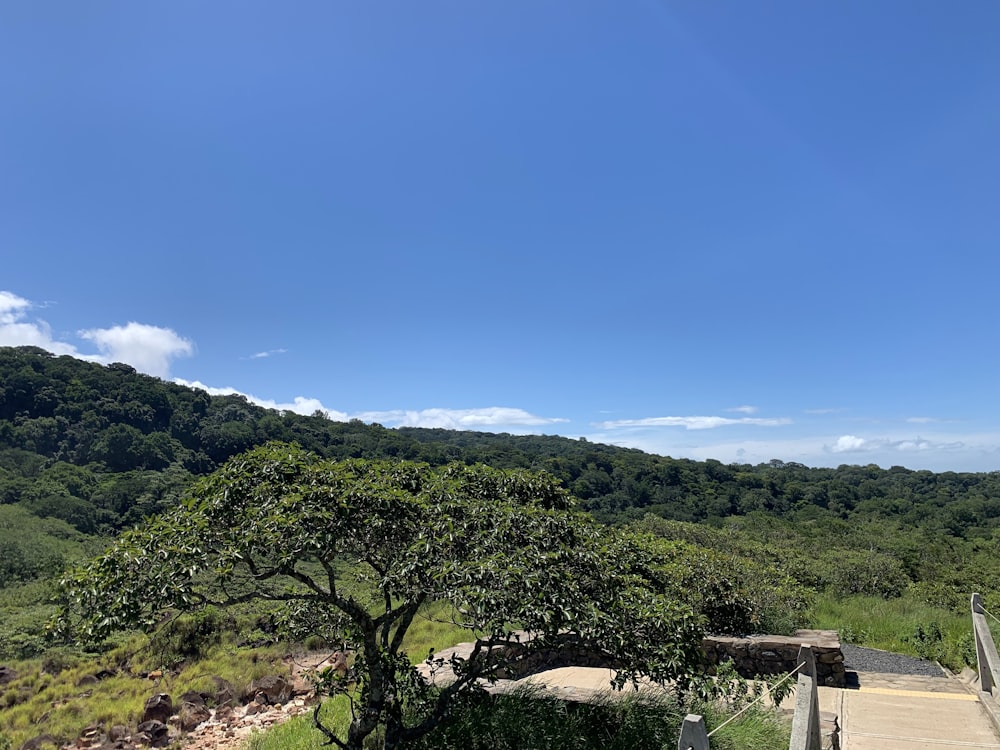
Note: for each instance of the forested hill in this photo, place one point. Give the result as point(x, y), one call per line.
point(102, 446)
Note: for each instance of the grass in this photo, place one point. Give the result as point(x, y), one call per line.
point(433, 628)
point(299, 732)
point(904, 625)
point(38, 701)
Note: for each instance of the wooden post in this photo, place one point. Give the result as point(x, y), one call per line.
point(693, 734)
point(805, 723)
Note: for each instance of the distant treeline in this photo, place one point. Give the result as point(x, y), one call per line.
point(102, 446)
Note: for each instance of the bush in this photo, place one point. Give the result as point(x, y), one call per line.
point(188, 636)
point(525, 721)
point(58, 660)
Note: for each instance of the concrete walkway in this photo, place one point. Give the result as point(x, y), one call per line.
point(885, 711)
point(899, 712)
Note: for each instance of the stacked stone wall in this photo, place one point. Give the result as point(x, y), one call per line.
point(752, 656)
point(776, 654)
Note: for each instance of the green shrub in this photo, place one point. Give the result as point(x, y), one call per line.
point(188, 636)
point(58, 660)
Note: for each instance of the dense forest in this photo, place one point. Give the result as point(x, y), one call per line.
point(100, 447)
point(87, 450)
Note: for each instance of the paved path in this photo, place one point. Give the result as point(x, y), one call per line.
point(900, 712)
point(885, 711)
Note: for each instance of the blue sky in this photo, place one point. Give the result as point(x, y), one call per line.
point(740, 231)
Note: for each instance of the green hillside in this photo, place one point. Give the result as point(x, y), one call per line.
point(889, 557)
point(87, 450)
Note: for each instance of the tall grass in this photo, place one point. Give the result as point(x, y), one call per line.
point(51, 696)
point(904, 625)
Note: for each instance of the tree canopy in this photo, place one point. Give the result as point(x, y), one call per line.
point(360, 547)
point(142, 440)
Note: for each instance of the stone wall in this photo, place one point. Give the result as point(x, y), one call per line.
point(777, 654)
point(752, 656)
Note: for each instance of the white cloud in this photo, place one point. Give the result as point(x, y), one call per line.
point(16, 330)
point(298, 405)
point(147, 348)
point(692, 423)
point(854, 444)
point(12, 307)
point(744, 409)
point(451, 419)
point(268, 353)
point(458, 419)
point(822, 411)
point(938, 452)
point(851, 443)
point(921, 420)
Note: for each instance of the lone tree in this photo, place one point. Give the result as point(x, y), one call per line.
point(360, 547)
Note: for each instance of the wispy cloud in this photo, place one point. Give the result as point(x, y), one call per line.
point(693, 423)
point(17, 330)
point(822, 411)
point(855, 444)
point(970, 451)
point(150, 349)
point(495, 417)
point(268, 353)
point(921, 420)
point(298, 405)
point(459, 419)
point(744, 409)
point(12, 308)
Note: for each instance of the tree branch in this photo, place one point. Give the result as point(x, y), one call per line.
point(404, 623)
point(331, 738)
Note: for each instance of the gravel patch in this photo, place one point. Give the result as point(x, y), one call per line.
point(858, 659)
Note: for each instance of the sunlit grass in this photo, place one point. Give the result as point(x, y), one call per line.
point(299, 732)
point(903, 625)
point(435, 627)
point(63, 704)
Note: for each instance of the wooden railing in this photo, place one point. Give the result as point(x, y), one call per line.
point(988, 662)
point(805, 723)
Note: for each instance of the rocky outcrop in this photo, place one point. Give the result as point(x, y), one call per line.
point(200, 728)
point(192, 714)
point(153, 733)
point(271, 689)
point(158, 708)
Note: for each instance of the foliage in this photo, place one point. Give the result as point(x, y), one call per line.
point(32, 547)
point(503, 548)
point(522, 721)
point(528, 721)
point(188, 636)
point(736, 594)
point(87, 451)
point(110, 421)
